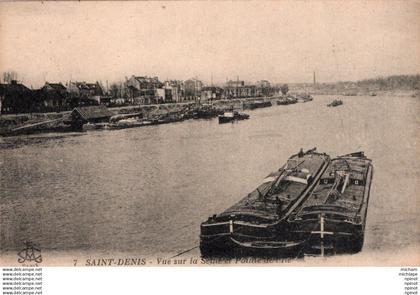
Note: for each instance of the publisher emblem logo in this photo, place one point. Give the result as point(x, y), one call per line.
point(30, 253)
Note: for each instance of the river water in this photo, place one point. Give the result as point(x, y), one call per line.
point(146, 190)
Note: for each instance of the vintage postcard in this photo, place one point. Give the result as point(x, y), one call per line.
point(275, 133)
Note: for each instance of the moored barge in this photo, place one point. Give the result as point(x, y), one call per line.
point(259, 219)
point(256, 104)
point(304, 98)
point(332, 219)
point(229, 117)
point(335, 103)
point(286, 100)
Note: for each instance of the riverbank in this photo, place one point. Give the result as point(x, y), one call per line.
point(163, 113)
point(55, 121)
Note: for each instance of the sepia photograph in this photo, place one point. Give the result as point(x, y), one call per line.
point(196, 133)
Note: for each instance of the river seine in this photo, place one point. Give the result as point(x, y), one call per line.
point(146, 190)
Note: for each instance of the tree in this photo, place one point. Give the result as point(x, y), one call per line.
point(9, 76)
point(114, 90)
point(284, 89)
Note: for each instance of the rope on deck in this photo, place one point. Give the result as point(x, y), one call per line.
point(183, 252)
point(188, 250)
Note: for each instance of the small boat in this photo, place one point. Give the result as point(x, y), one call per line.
point(207, 113)
point(287, 100)
point(120, 117)
point(282, 102)
point(256, 225)
point(332, 219)
point(228, 117)
point(305, 98)
point(126, 123)
point(170, 119)
point(257, 104)
point(94, 126)
point(335, 103)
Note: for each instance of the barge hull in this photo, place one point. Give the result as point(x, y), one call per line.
point(332, 229)
point(240, 230)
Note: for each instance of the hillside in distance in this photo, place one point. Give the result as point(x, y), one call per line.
point(396, 83)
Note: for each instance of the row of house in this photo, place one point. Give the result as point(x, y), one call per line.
point(16, 97)
point(147, 90)
point(144, 90)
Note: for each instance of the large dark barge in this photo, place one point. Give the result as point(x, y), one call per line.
point(332, 220)
point(260, 216)
point(290, 217)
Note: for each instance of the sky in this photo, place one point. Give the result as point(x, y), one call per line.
point(283, 42)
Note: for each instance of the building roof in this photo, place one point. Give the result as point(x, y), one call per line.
point(13, 87)
point(92, 112)
point(174, 82)
point(239, 86)
point(263, 83)
point(87, 86)
point(212, 88)
point(55, 86)
point(91, 86)
point(235, 83)
point(193, 80)
point(145, 79)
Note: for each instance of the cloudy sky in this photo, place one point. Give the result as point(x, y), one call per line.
point(279, 41)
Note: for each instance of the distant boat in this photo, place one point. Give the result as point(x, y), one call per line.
point(228, 117)
point(257, 104)
point(95, 126)
point(287, 100)
point(335, 103)
point(304, 98)
point(207, 112)
point(126, 123)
